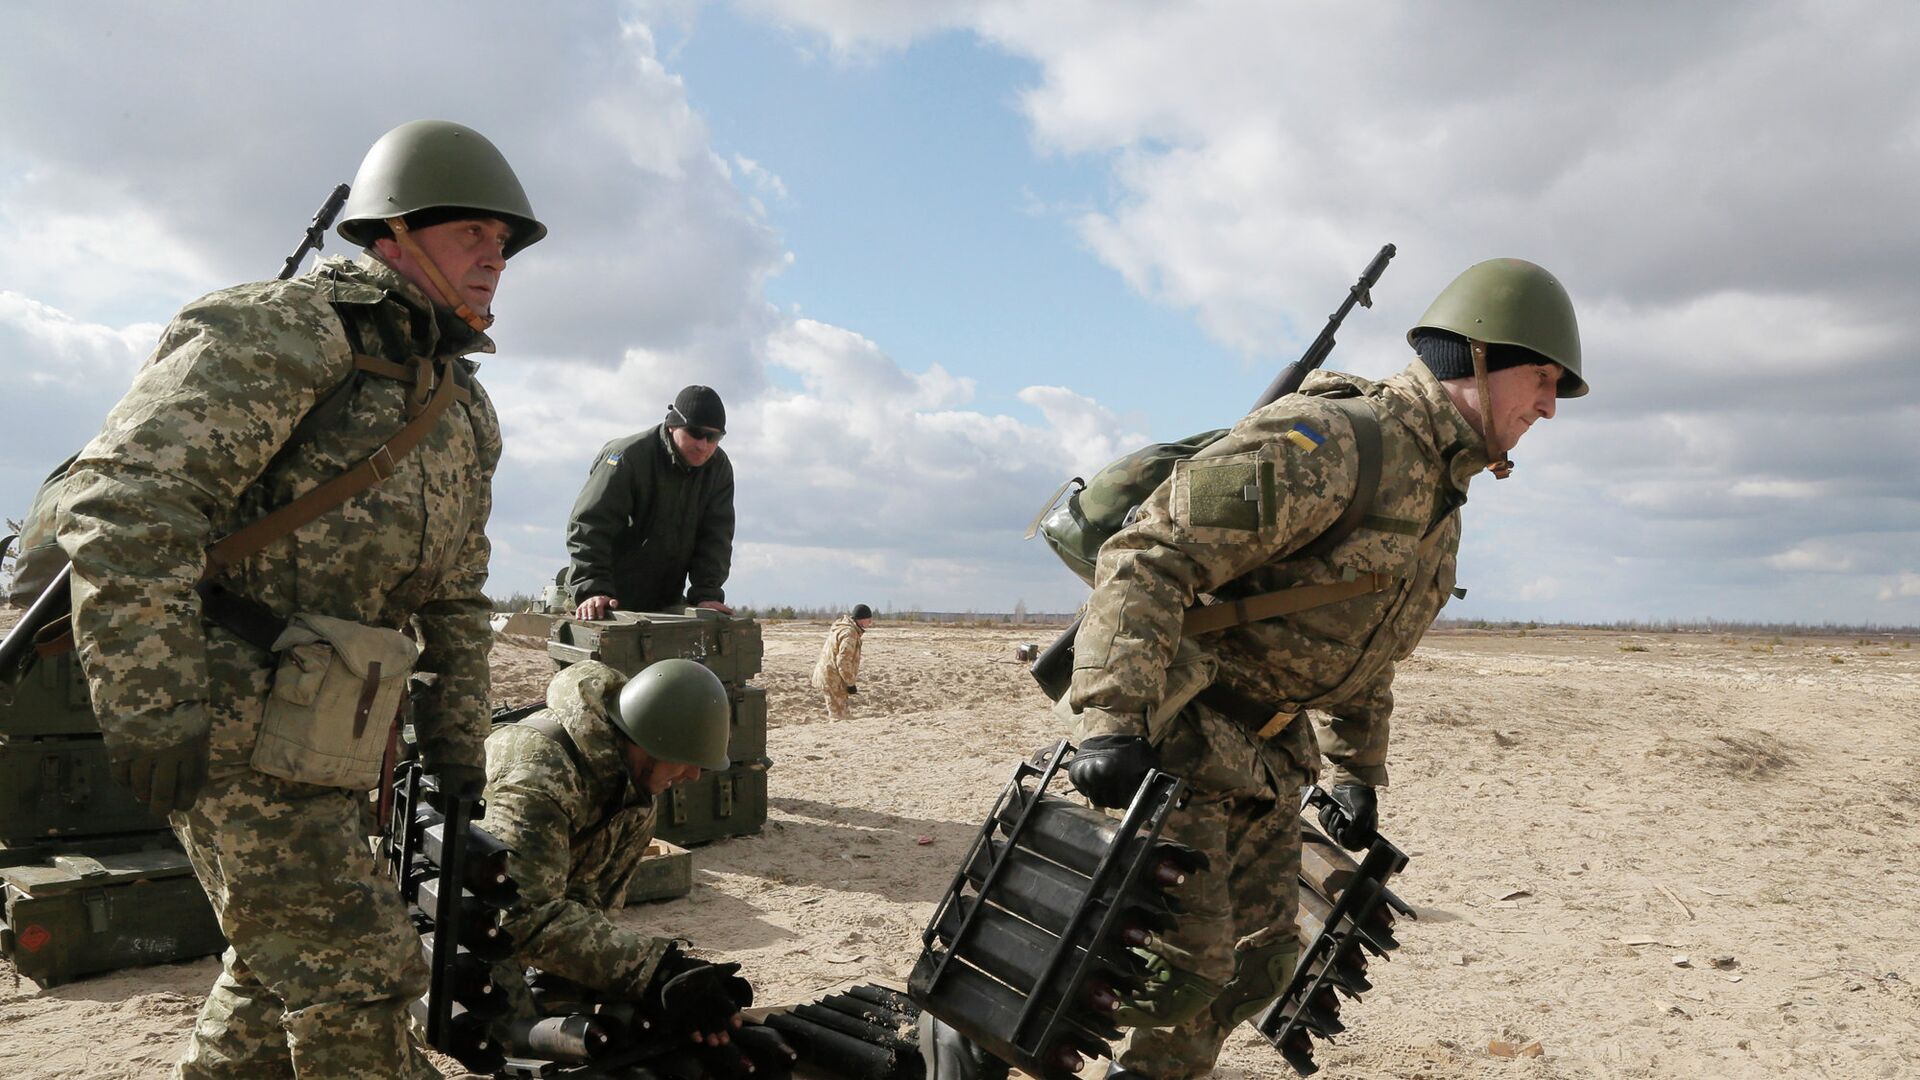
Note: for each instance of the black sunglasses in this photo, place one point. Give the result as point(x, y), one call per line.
point(704, 434)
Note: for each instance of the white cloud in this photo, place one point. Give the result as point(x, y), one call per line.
point(1905, 587)
point(1540, 589)
point(1812, 557)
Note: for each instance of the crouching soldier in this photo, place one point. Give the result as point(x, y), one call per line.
point(573, 790)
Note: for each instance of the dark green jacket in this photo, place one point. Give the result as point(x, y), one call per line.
point(648, 527)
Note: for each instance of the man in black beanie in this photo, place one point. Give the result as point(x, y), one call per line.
point(653, 528)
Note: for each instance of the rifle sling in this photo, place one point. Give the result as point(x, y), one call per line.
point(376, 467)
point(256, 623)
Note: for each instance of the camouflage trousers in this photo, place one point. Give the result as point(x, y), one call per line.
point(323, 963)
point(1246, 900)
point(836, 696)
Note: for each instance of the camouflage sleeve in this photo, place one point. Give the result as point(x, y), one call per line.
point(713, 545)
point(1353, 735)
point(202, 419)
point(452, 718)
point(534, 805)
point(1276, 481)
point(599, 514)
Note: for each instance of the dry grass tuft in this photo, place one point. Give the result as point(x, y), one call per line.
point(1749, 755)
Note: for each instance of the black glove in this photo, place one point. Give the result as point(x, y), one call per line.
point(852, 689)
point(166, 779)
point(701, 1001)
point(1108, 769)
point(1352, 816)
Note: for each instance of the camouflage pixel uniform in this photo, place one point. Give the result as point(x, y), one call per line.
point(839, 665)
point(1225, 524)
point(322, 963)
point(578, 829)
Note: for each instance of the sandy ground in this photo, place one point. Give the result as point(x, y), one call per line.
point(1657, 855)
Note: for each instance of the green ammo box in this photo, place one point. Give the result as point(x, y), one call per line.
point(60, 786)
point(81, 915)
point(732, 802)
point(666, 873)
point(748, 739)
point(49, 698)
point(630, 640)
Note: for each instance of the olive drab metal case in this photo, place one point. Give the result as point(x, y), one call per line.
point(627, 641)
point(747, 740)
point(60, 786)
point(718, 804)
point(665, 873)
point(48, 698)
point(81, 915)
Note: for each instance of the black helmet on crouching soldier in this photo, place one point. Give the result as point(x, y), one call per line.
point(429, 171)
point(677, 711)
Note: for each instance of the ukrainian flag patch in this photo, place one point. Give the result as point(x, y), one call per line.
point(1305, 437)
point(613, 458)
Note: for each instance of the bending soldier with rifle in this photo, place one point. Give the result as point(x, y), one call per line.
point(1283, 569)
point(574, 790)
point(282, 518)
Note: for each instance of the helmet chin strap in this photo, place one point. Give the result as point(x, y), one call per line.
point(1501, 466)
point(438, 281)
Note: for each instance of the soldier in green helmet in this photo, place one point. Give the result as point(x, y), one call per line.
point(1227, 706)
point(573, 790)
point(258, 395)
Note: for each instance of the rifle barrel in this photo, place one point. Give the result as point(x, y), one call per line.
point(52, 603)
point(316, 237)
point(1360, 292)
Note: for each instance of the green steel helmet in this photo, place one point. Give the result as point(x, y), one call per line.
point(677, 710)
point(435, 164)
point(1512, 302)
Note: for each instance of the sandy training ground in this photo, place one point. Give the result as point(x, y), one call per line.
point(1654, 855)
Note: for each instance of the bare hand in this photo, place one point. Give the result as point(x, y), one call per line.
point(595, 607)
point(716, 606)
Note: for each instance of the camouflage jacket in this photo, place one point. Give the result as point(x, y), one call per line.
point(839, 661)
point(578, 831)
point(1226, 526)
point(191, 453)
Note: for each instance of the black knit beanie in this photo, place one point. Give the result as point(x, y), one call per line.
point(1448, 355)
point(697, 406)
point(862, 611)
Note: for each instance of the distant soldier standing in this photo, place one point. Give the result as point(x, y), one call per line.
point(1496, 348)
point(652, 529)
point(837, 673)
point(223, 704)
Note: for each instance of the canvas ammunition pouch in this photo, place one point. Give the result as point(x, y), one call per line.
point(336, 691)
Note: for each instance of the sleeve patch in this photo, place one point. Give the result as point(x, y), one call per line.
point(1305, 437)
point(613, 458)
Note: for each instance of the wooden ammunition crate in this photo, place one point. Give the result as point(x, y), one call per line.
point(628, 641)
point(732, 802)
point(748, 739)
point(49, 698)
point(60, 786)
point(80, 915)
point(666, 873)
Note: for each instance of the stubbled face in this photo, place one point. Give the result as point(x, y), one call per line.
point(471, 253)
point(655, 775)
point(1521, 396)
point(694, 451)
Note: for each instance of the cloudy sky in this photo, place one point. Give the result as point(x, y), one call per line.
point(940, 256)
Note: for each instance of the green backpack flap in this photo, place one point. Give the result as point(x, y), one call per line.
point(1076, 526)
